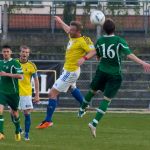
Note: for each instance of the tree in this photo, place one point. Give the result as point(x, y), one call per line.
point(69, 12)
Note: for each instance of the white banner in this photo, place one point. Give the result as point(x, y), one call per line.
point(0, 19)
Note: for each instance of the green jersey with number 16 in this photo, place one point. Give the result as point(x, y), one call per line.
point(110, 49)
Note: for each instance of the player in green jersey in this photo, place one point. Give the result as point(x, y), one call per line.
point(10, 72)
point(108, 75)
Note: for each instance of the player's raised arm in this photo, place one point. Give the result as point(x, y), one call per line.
point(145, 65)
point(63, 24)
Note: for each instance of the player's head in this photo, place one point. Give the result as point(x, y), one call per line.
point(24, 53)
point(109, 26)
point(6, 52)
point(75, 29)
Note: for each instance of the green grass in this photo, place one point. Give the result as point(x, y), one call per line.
point(115, 132)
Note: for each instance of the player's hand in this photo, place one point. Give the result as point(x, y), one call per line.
point(36, 99)
point(97, 58)
point(146, 67)
point(57, 19)
point(81, 61)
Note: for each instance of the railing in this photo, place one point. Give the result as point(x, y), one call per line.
point(129, 15)
point(134, 92)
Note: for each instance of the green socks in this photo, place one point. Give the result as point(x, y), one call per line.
point(1, 124)
point(100, 112)
point(87, 99)
point(17, 124)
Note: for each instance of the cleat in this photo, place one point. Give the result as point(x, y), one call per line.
point(18, 137)
point(93, 129)
point(26, 137)
point(21, 131)
point(44, 124)
point(2, 137)
point(81, 112)
point(88, 106)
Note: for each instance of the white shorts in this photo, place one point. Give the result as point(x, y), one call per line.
point(25, 103)
point(66, 80)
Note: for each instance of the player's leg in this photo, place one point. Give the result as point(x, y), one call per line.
point(62, 84)
point(26, 105)
point(12, 119)
point(100, 113)
point(85, 103)
point(13, 102)
point(98, 83)
point(1, 122)
point(17, 124)
point(112, 86)
point(76, 93)
point(52, 103)
point(3, 101)
point(27, 123)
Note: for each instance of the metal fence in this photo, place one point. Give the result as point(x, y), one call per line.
point(129, 15)
point(134, 92)
point(29, 23)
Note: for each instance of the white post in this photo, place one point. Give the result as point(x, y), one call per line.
point(0, 19)
point(5, 22)
point(52, 17)
point(98, 31)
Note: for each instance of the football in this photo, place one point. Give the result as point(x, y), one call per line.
point(97, 17)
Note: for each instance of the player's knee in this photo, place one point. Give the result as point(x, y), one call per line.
point(26, 112)
point(52, 95)
point(15, 113)
point(93, 91)
point(72, 87)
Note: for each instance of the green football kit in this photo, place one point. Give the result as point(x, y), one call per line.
point(108, 76)
point(9, 89)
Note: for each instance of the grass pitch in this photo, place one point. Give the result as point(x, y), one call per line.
point(115, 132)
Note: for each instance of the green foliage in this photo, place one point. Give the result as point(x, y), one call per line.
point(86, 13)
point(120, 8)
point(136, 9)
point(69, 13)
point(118, 2)
point(116, 8)
point(18, 8)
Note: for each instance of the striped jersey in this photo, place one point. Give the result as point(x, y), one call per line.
point(110, 49)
